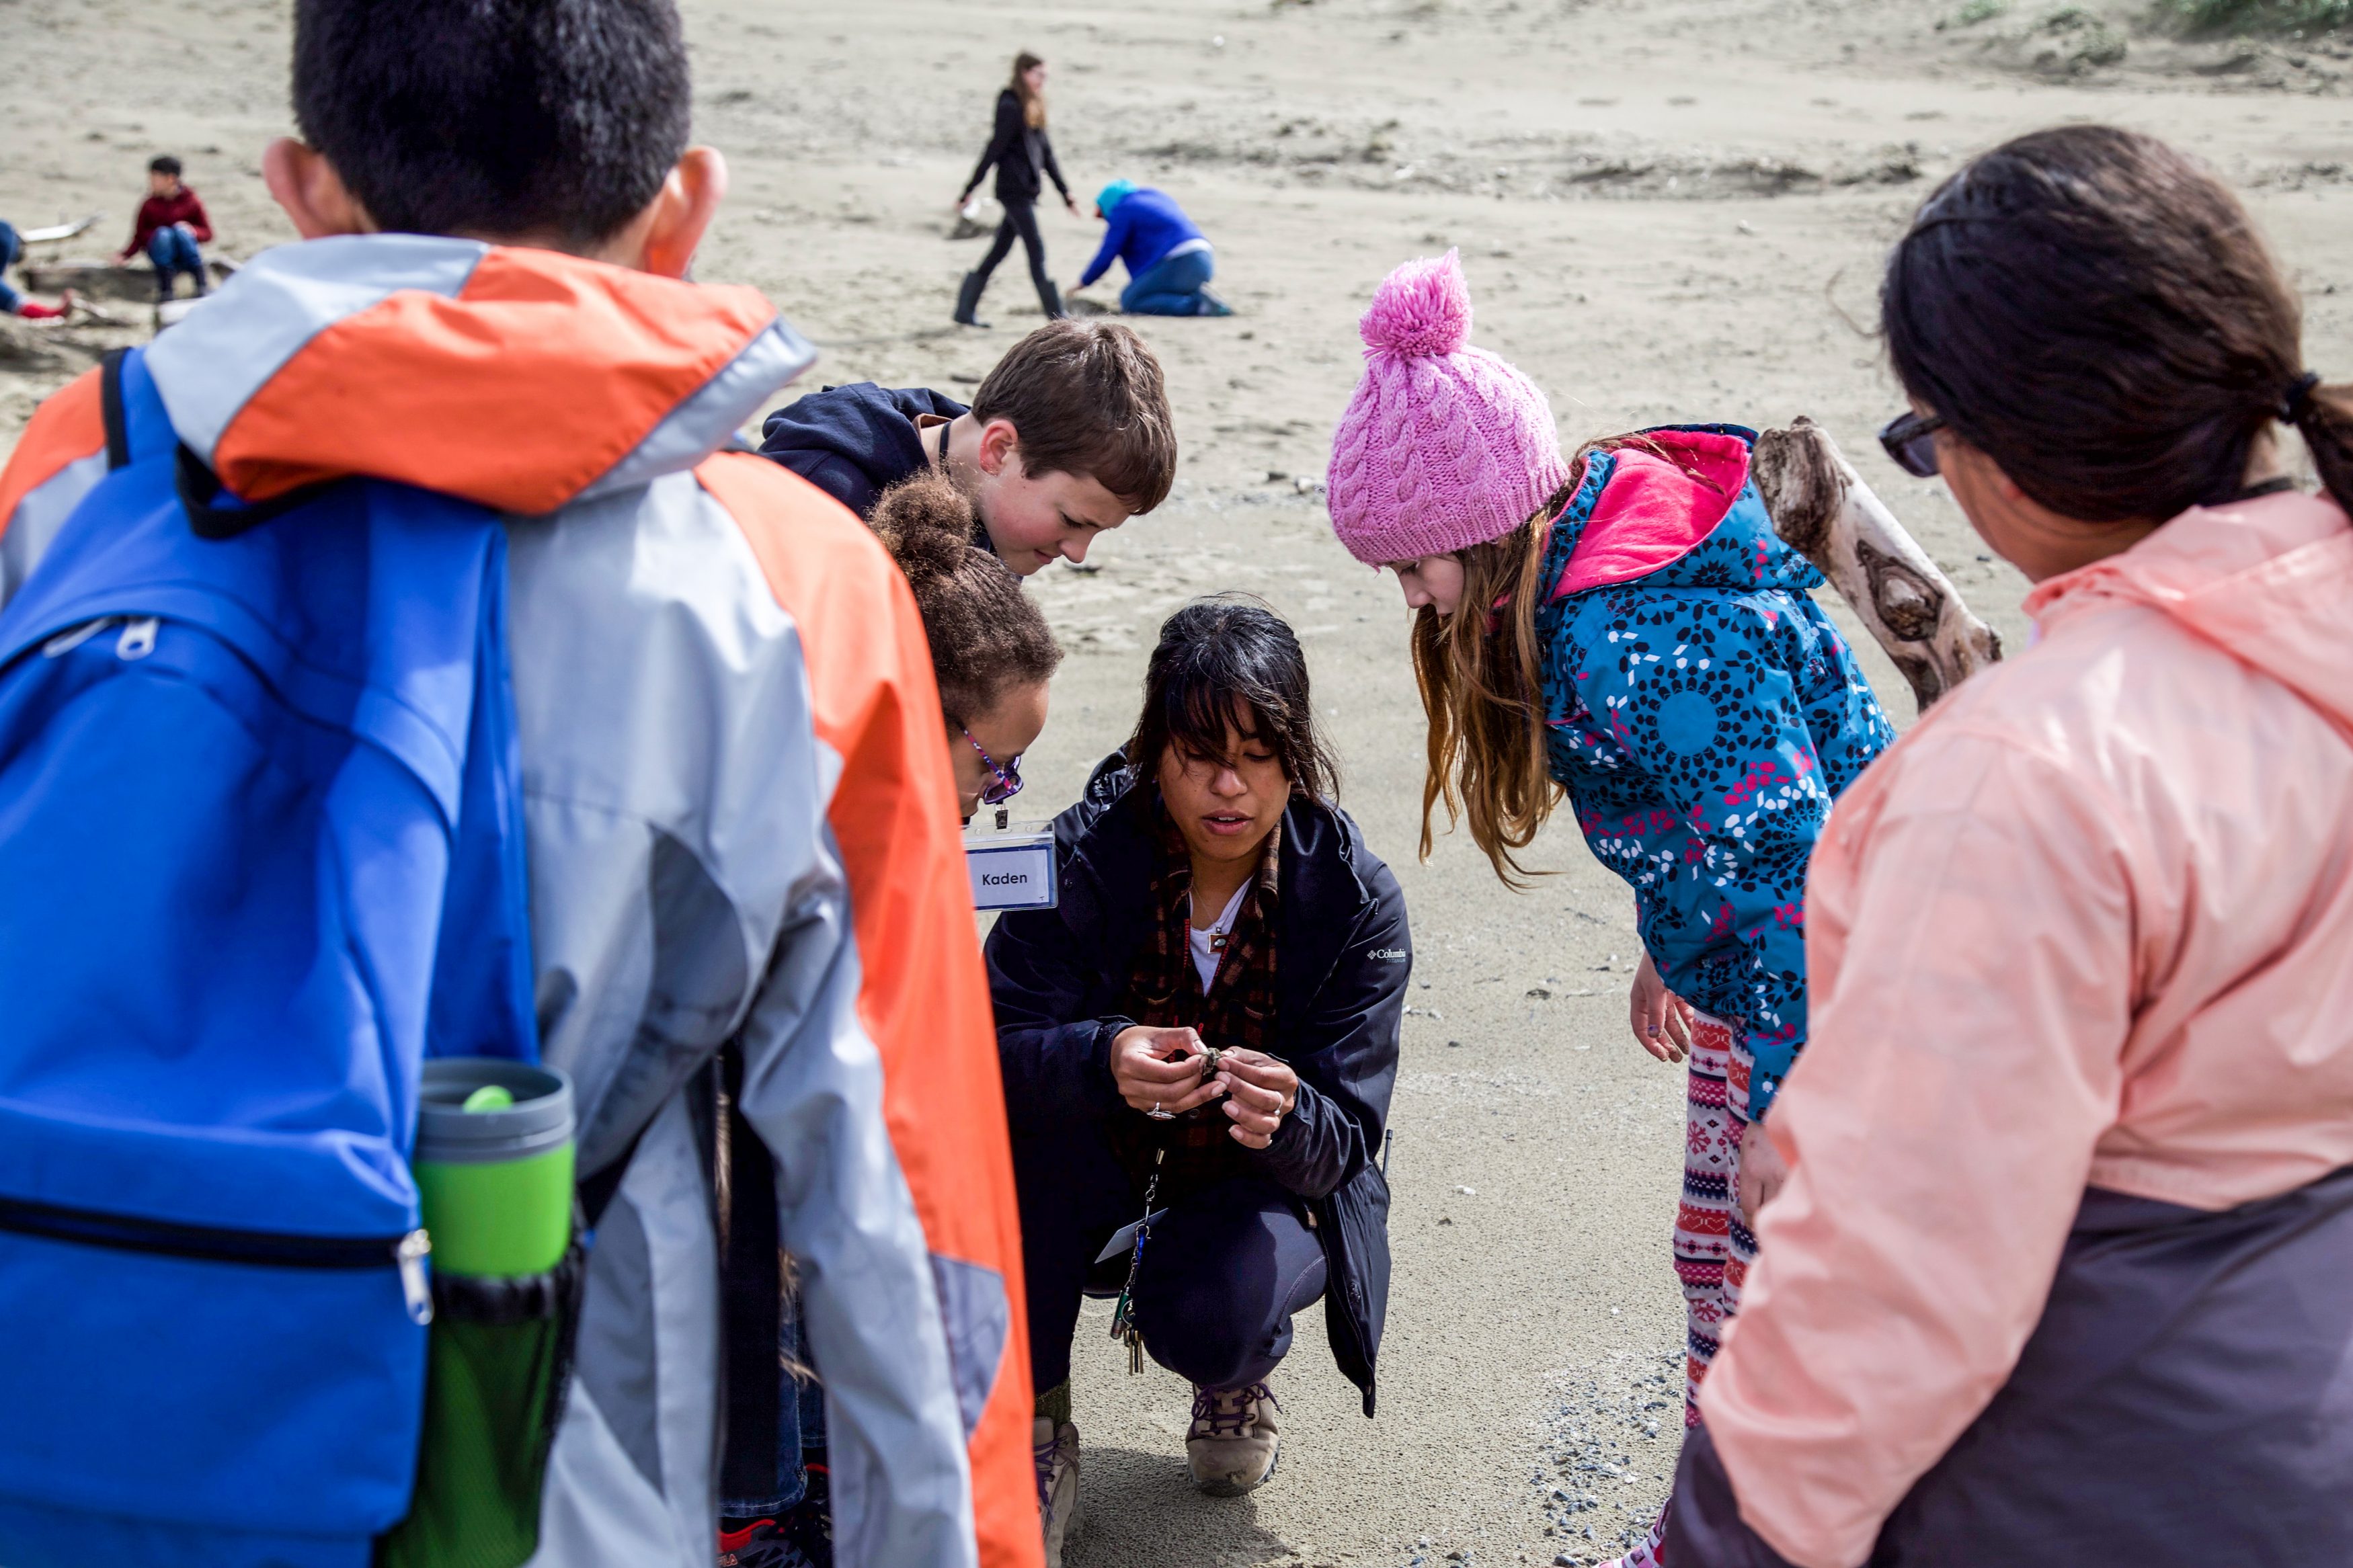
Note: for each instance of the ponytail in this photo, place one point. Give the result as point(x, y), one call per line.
point(2323, 416)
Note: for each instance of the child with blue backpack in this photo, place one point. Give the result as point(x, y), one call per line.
point(1624, 628)
point(331, 745)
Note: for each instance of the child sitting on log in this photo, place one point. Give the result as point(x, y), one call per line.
point(170, 225)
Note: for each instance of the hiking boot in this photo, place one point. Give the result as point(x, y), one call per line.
point(968, 300)
point(1233, 1442)
point(1055, 1449)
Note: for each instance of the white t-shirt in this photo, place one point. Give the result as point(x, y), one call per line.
point(1206, 958)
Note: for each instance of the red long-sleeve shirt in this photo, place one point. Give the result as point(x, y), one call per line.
point(162, 211)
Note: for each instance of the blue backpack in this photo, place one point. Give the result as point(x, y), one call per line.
point(260, 854)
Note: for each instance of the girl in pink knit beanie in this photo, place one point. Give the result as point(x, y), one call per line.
point(1622, 628)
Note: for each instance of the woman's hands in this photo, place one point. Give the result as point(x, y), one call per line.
point(1150, 1081)
point(1160, 1070)
point(1260, 1092)
point(1659, 1018)
point(1762, 1171)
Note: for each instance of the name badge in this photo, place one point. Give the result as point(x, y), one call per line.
point(1013, 871)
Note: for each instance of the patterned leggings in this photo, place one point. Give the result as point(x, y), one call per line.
point(1714, 1245)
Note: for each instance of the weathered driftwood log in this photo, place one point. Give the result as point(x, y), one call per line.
point(1822, 509)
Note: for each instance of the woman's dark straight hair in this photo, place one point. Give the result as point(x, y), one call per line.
point(2096, 313)
point(1222, 661)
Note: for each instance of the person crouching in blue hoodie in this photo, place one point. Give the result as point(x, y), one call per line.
point(1169, 262)
point(1625, 629)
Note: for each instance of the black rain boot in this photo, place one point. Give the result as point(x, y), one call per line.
point(968, 299)
point(1051, 298)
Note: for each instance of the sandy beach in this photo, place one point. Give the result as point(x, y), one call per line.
point(1671, 211)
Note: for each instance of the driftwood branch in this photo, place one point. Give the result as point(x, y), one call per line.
point(1822, 509)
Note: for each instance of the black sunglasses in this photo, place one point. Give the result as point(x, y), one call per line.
point(1910, 439)
point(1008, 782)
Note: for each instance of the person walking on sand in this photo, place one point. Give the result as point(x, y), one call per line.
point(1023, 155)
point(1169, 260)
point(1623, 627)
point(2063, 1269)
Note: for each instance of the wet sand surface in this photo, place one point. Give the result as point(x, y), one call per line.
point(1668, 212)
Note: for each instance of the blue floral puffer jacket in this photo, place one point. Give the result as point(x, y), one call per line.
point(1703, 713)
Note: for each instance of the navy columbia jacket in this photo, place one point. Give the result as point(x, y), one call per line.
point(1342, 956)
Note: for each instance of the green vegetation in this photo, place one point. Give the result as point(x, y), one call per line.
point(2259, 16)
point(1976, 11)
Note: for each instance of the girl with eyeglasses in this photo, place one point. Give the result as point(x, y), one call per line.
point(2064, 1270)
point(991, 650)
point(1621, 629)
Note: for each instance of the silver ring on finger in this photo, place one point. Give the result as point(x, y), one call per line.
point(1158, 1114)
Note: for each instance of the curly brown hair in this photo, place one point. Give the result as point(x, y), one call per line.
point(987, 635)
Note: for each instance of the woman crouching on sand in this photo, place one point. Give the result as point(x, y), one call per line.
point(2081, 944)
point(1625, 628)
point(1205, 1032)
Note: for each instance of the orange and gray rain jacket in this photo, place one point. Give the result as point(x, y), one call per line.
point(741, 829)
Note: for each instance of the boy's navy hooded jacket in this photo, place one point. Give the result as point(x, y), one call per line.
point(855, 442)
point(1343, 958)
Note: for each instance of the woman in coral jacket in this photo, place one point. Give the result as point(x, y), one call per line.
point(2062, 1272)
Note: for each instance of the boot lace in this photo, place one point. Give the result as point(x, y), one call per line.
point(1225, 1412)
point(1043, 1454)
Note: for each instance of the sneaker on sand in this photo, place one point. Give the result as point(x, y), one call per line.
point(1233, 1441)
point(1055, 1449)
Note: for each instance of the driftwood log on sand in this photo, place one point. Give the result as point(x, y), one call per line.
point(1822, 509)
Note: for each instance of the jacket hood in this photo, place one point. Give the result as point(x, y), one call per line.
point(869, 427)
point(517, 378)
point(1678, 513)
point(2270, 581)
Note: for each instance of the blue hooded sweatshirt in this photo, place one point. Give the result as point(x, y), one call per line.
point(1145, 226)
point(1701, 712)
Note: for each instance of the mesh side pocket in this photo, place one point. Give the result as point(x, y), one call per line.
point(498, 1366)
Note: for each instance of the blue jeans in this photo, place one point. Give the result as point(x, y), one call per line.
point(800, 1428)
point(174, 252)
point(11, 247)
point(1173, 286)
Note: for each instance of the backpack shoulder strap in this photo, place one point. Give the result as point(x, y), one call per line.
point(109, 402)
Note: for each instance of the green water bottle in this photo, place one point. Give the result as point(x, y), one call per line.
point(493, 1165)
point(493, 1168)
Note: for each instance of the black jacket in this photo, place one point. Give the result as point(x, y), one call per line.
point(854, 442)
point(1019, 151)
point(1342, 956)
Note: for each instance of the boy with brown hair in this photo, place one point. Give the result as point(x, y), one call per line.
point(1068, 437)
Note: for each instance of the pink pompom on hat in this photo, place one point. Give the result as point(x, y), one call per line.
point(1444, 445)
